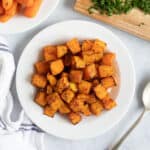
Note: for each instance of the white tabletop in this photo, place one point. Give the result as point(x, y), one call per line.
point(140, 52)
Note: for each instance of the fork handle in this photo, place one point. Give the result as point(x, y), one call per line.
point(120, 141)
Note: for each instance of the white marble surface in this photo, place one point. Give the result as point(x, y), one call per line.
point(140, 52)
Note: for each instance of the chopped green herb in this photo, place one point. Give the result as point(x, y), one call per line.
point(110, 7)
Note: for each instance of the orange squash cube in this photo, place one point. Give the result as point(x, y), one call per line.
point(41, 98)
point(62, 84)
point(84, 87)
point(57, 67)
point(64, 109)
point(54, 100)
point(61, 51)
point(86, 110)
point(87, 45)
point(105, 71)
point(51, 79)
point(99, 46)
point(78, 62)
point(49, 111)
point(67, 95)
point(39, 81)
point(92, 99)
point(50, 53)
point(108, 82)
point(100, 91)
point(96, 108)
point(108, 103)
point(90, 72)
point(74, 46)
point(74, 117)
point(76, 104)
point(42, 67)
point(76, 76)
point(108, 59)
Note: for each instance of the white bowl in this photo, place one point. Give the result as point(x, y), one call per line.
point(20, 23)
point(90, 126)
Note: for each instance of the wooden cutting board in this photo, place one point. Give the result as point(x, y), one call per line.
point(135, 22)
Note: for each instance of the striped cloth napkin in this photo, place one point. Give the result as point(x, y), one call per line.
point(21, 134)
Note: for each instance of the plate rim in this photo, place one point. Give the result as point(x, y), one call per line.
point(133, 76)
point(35, 25)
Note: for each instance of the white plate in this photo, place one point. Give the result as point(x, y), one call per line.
point(20, 23)
point(90, 126)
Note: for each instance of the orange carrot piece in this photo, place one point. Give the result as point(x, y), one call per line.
point(32, 11)
point(27, 3)
point(7, 4)
point(1, 9)
point(9, 13)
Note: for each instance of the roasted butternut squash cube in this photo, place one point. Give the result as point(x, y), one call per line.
point(51, 79)
point(83, 97)
point(73, 87)
point(39, 81)
point(42, 67)
point(67, 95)
point(88, 59)
point(92, 58)
point(91, 99)
point(54, 100)
point(64, 109)
point(86, 110)
point(50, 53)
point(99, 46)
point(108, 103)
point(62, 84)
point(76, 76)
point(86, 98)
point(87, 45)
point(105, 71)
point(76, 104)
point(74, 46)
point(49, 111)
point(49, 89)
point(74, 117)
point(98, 56)
point(96, 108)
point(78, 62)
point(100, 91)
point(2, 10)
point(90, 72)
point(84, 87)
point(108, 82)
point(108, 59)
point(41, 98)
point(57, 67)
point(61, 51)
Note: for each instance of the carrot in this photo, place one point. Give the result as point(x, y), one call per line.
point(7, 4)
point(27, 3)
point(9, 13)
point(5, 18)
point(13, 10)
point(1, 9)
point(32, 11)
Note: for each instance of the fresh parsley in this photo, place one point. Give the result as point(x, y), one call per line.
point(110, 7)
